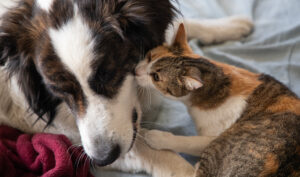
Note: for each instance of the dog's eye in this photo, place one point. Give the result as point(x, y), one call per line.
point(134, 116)
point(155, 77)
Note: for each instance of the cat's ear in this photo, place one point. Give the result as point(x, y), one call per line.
point(192, 83)
point(181, 39)
point(192, 80)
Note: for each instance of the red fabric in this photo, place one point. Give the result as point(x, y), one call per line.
point(46, 155)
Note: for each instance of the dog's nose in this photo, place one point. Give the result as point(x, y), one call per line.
point(107, 155)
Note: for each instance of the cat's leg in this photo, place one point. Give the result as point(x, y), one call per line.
point(158, 163)
point(215, 30)
point(192, 145)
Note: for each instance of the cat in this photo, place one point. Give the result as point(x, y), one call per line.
point(248, 124)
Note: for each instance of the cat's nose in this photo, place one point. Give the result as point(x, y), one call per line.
point(138, 71)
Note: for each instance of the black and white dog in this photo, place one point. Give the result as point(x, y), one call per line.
point(68, 65)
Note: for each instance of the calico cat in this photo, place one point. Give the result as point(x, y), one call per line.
point(248, 124)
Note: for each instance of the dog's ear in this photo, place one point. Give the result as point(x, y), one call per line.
point(7, 47)
point(15, 55)
point(22, 68)
point(40, 100)
point(132, 13)
point(145, 21)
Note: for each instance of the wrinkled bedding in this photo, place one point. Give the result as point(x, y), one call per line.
point(273, 48)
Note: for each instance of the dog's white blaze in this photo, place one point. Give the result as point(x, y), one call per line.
point(74, 45)
point(215, 121)
point(113, 118)
point(106, 118)
point(45, 4)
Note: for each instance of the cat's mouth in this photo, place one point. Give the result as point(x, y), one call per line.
point(142, 81)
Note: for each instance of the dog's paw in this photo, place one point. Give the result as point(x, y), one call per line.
point(238, 27)
point(216, 31)
point(159, 140)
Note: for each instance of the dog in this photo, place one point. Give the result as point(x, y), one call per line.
point(66, 67)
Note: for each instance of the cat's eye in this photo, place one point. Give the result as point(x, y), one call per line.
point(155, 77)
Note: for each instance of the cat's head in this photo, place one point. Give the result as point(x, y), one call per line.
point(168, 68)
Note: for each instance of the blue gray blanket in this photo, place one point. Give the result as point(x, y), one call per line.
point(273, 48)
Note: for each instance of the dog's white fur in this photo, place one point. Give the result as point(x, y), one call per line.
point(77, 33)
point(45, 4)
point(214, 30)
point(14, 110)
point(102, 114)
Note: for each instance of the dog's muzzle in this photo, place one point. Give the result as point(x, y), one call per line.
point(107, 154)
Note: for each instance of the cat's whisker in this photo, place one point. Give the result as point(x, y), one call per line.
point(141, 140)
point(149, 126)
point(153, 125)
point(138, 134)
point(149, 98)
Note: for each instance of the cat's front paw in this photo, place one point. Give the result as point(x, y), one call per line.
point(159, 140)
point(197, 171)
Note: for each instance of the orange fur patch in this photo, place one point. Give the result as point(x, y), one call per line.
point(163, 52)
point(160, 52)
point(81, 107)
point(295, 174)
point(286, 103)
point(249, 126)
point(243, 82)
point(255, 154)
point(271, 165)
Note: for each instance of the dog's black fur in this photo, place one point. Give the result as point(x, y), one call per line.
point(124, 30)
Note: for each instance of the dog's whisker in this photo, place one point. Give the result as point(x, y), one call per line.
point(79, 159)
point(91, 164)
point(73, 149)
point(82, 158)
point(84, 164)
point(74, 146)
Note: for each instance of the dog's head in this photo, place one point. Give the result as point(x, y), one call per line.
point(83, 53)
